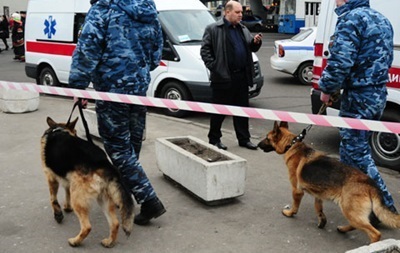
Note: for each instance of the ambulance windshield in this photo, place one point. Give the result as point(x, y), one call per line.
point(186, 26)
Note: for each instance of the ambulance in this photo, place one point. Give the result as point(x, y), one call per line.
point(52, 28)
point(385, 146)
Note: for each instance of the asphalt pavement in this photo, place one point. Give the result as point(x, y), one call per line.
point(251, 223)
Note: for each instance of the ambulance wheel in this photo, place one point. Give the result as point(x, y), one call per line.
point(305, 73)
point(385, 147)
point(175, 91)
point(48, 77)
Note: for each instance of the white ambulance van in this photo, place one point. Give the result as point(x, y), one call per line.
point(385, 146)
point(52, 28)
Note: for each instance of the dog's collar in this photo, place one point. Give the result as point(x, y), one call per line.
point(53, 130)
point(298, 138)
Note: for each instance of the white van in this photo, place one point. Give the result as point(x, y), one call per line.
point(52, 28)
point(385, 146)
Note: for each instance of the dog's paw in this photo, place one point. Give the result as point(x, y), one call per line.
point(68, 209)
point(73, 242)
point(321, 219)
point(59, 217)
point(321, 223)
point(344, 229)
point(107, 243)
point(288, 212)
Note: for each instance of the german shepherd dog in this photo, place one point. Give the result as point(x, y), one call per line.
point(87, 175)
point(327, 178)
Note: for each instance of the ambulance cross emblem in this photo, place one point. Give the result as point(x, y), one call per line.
point(50, 24)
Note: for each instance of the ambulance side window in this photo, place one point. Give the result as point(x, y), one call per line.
point(79, 19)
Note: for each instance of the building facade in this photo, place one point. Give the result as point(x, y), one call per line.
point(294, 14)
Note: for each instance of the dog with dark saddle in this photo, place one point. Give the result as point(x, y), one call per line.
point(87, 176)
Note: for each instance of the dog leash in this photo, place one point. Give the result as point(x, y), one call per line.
point(333, 98)
point(79, 104)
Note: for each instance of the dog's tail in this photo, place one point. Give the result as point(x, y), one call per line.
point(383, 213)
point(123, 199)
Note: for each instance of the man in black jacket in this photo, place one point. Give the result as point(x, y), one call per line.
point(227, 52)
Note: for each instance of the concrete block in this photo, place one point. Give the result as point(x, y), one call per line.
point(211, 174)
point(18, 101)
point(385, 246)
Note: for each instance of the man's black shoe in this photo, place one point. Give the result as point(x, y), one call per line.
point(248, 145)
point(220, 145)
point(150, 209)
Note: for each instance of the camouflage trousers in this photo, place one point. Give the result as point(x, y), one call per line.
point(355, 150)
point(121, 127)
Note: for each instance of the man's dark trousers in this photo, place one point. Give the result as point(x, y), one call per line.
point(238, 95)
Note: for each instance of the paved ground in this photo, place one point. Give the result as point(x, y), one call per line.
point(252, 223)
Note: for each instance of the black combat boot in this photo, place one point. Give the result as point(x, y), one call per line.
point(150, 209)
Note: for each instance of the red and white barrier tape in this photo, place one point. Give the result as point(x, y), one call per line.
point(257, 113)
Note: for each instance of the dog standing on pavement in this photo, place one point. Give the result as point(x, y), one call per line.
point(87, 175)
point(326, 178)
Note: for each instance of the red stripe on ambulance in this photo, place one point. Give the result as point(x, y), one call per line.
point(394, 77)
point(56, 49)
point(50, 48)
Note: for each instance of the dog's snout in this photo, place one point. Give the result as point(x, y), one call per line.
point(265, 146)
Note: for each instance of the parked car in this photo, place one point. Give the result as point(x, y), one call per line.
point(253, 23)
point(295, 56)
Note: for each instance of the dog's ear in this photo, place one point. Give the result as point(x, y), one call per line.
point(276, 127)
point(284, 124)
point(51, 122)
point(72, 124)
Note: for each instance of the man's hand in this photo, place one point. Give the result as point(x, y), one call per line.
point(326, 99)
point(257, 38)
point(84, 101)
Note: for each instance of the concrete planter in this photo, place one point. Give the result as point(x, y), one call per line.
point(18, 101)
point(211, 174)
point(385, 246)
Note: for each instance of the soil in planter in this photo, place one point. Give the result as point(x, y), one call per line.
point(199, 150)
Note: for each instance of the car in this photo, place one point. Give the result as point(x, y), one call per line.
point(295, 56)
point(253, 23)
